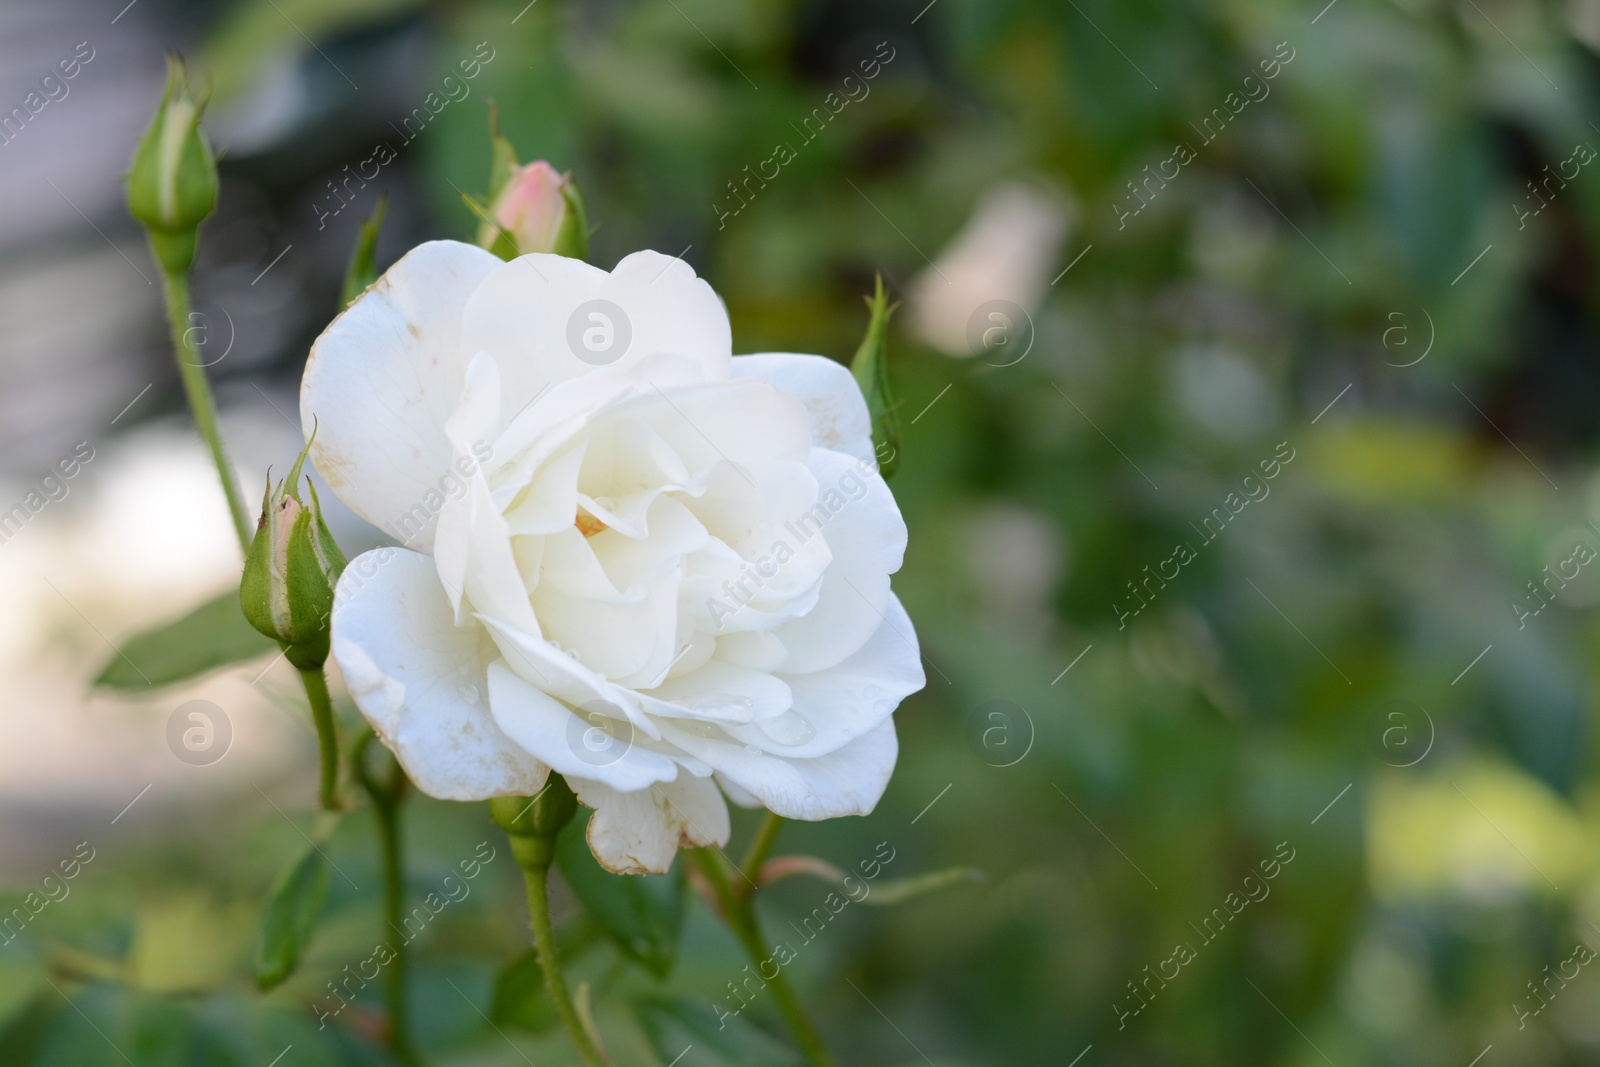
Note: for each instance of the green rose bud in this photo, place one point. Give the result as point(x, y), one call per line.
point(291, 571)
point(533, 824)
point(172, 184)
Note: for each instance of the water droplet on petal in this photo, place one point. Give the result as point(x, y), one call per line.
point(754, 750)
point(791, 729)
point(881, 707)
point(871, 691)
point(469, 693)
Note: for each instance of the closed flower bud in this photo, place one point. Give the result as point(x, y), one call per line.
point(291, 571)
point(172, 184)
point(539, 210)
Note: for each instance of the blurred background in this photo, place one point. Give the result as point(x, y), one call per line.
point(1250, 462)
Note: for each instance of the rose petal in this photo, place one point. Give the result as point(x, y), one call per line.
point(382, 380)
point(641, 832)
point(849, 699)
point(848, 781)
point(839, 418)
point(523, 311)
point(572, 744)
point(866, 535)
point(420, 680)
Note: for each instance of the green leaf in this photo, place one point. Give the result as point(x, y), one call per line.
point(362, 270)
point(887, 894)
point(520, 998)
point(213, 635)
point(871, 368)
point(642, 913)
point(672, 1025)
point(297, 899)
point(23, 1032)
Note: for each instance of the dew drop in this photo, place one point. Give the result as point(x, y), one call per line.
point(881, 706)
point(791, 729)
point(469, 693)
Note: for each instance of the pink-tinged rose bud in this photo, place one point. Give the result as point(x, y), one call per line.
point(540, 210)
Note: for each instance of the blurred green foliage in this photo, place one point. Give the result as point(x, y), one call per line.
point(1437, 870)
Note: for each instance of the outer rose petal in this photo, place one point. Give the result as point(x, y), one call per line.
point(640, 833)
point(867, 538)
point(854, 697)
point(520, 315)
point(419, 679)
point(382, 380)
point(847, 782)
point(550, 730)
point(839, 418)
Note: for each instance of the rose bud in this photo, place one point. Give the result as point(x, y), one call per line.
point(291, 571)
point(172, 183)
point(538, 210)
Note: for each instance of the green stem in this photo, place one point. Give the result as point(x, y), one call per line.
point(393, 907)
point(760, 849)
point(386, 798)
point(204, 410)
point(740, 913)
point(327, 741)
point(201, 404)
point(175, 286)
point(544, 940)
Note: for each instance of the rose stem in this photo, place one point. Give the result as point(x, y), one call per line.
point(537, 877)
point(393, 877)
point(386, 799)
point(327, 740)
point(761, 847)
point(740, 913)
point(202, 406)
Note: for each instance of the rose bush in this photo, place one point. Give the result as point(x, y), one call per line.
point(670, 575)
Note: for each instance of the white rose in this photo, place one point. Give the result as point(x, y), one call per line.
point(652, 564)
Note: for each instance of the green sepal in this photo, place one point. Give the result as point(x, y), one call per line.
point(533, 824)
point(362, 270)
point(572, 240)
point(871, 369)
point(503, 162)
